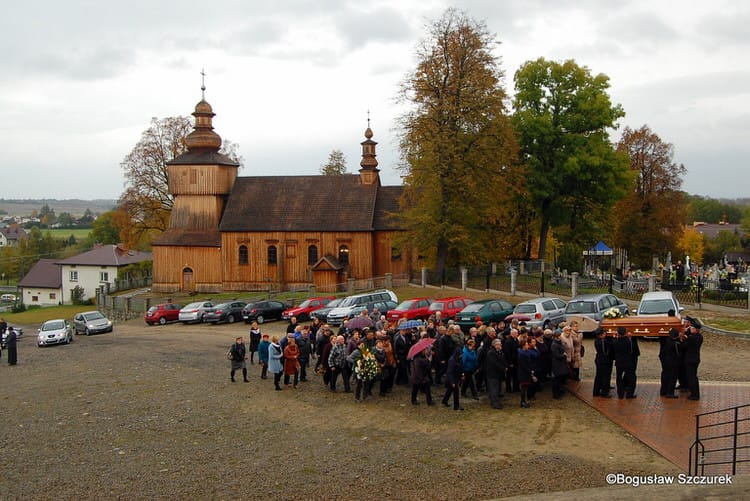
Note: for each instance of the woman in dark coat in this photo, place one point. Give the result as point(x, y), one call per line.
point(527, 356)
point(453, 372)
point(560, 371)
point(255, 336)
point(420, 378)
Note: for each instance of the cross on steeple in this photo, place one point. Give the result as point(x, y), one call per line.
point(203, 84)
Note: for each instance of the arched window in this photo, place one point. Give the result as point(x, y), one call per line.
point(312, 254)
point(343, 254)
point(243, 254)
point(271, 254)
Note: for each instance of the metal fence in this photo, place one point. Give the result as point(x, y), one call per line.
point(722, 442)
point(532, 277)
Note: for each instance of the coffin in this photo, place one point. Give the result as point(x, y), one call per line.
point(642, 326)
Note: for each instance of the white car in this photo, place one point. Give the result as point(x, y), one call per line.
point(658, 304)
point(350, 304)
point(56, 331)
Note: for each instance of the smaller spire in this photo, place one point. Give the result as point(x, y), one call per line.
point(369, 164)
point(203, 85)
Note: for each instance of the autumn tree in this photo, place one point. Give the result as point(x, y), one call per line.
point(574, 175)
point(146, 200)
point(692, 243)
point(649, 218)
point(105, 230)
point(457, 143)
point(336, 164)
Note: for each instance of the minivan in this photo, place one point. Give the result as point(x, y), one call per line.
point(346, 308)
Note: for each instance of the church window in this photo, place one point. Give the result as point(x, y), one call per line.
point(312, 254)
point(395, 254)
point(243, 254)
point(272, 258)
point(343, 255)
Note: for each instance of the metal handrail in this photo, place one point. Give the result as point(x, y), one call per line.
point(699, 454)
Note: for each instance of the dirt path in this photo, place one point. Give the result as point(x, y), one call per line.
point(150, 413)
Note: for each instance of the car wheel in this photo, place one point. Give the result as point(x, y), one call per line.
point(230, 319)
point(87, 332)
point(162, 320)
point(260, 319)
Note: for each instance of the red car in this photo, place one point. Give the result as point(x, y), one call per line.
point(411, 309)
point(302, 312)
point(162, 313)
point(449, 306)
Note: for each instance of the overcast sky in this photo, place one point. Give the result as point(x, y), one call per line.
point(293, 80)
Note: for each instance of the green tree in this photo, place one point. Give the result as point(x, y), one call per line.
point(655, 206)
point(47, 216)
point(336, 164)
point(456, 141)
point(710, 210)
point(105, 230)
point(574, 175)
point(65, 219)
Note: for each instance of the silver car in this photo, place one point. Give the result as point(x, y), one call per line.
point(91, 322)
point(56, 331)
point(195, 312)
point(593, 306)
point(545, 312)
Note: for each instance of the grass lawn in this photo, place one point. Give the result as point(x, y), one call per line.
point(37, 316)
point(78, 233)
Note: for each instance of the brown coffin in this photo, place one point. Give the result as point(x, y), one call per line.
point(641, 326)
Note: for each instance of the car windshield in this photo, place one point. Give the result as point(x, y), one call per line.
point(656, 306)
point(304, 304)
point(473, 307)
point(581, 307)
point(192, 306)
point(406, 305)
point(153, 309)
point(335, 303)
point(222, 306)
point(525, 308)
point(53, 325)
point(93, 316)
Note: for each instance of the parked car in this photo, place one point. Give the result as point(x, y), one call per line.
point(225, 312)
point(91, 322)
point(411, 309)
point(306, 307)
point(449, 306)
point(382, 306)
point(54, 332)
point(593, 306)
point(486, 310)
point(194, 312)
point(658, 304)
point(322, 313)
point(8, 298)
point(19, 334)
point(261, 311)
point(346, 308)
point(162, 313)
point(545, 312)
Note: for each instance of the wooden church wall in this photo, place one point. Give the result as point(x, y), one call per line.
point(200, 179)
point(170, 261)
point(292, 266)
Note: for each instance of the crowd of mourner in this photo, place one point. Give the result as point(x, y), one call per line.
point(495, 359)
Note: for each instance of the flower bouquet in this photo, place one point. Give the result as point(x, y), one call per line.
point(366, 368)
point(613, 313)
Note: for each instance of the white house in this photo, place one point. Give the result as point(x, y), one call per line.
point(96, 268)
point(42, 285)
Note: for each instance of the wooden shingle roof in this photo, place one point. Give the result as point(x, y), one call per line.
point(307, 203)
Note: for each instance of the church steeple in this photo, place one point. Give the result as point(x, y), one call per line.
point(369, 171)
point(203, 137)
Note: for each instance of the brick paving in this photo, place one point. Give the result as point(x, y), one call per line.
point(668, 425)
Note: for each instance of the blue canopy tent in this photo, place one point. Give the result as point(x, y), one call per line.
point(600, 249)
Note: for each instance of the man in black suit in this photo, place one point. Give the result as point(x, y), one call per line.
point(603, 362)
point(691, 347)
point(625, 352)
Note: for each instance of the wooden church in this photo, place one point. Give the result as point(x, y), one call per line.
point(230, 233)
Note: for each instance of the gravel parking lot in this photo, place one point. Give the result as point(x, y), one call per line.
point(150, 413)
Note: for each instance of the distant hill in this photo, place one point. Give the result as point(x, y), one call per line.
point(74, 207)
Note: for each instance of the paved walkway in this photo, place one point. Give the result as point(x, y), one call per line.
point(668, 425)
